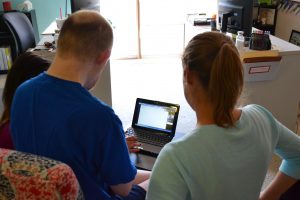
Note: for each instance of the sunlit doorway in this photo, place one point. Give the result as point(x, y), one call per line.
point(146, 28)
point(123, 17)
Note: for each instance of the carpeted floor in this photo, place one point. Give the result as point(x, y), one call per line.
point(157, 79)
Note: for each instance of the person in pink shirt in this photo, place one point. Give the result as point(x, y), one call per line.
point(26, 66)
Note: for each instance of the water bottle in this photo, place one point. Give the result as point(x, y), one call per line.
point(240, 40)
point(213, 23)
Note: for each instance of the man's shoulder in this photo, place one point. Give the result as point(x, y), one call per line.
point(31, 83)
point(93, 108)
point(27, 87)
point(97, 107)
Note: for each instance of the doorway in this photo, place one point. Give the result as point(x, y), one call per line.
point(144, 28)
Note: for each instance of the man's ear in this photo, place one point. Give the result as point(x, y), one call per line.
point(103, 57)
point(187, 75)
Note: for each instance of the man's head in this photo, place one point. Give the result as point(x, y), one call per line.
point(86, 39)
point(84, 35)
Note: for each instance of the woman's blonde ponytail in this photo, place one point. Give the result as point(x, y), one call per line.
point(215, 59)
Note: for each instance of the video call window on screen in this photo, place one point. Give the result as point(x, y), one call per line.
point(155, 116)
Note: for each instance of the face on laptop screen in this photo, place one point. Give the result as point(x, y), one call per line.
point(156, 117)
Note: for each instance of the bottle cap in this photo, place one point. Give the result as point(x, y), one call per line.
point(240, 32)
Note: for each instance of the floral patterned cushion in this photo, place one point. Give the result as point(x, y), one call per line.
point(26, 176)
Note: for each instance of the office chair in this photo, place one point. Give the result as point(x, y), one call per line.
point(21, 30)
point(25, 176)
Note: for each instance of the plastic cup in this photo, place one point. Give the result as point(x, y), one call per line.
point(7, 6)
point(60, 22)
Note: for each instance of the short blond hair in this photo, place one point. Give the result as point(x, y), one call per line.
point(85, 34)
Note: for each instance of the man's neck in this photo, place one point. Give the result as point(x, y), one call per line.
point(70, 69)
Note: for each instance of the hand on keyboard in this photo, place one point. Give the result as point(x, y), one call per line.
point(132, 144)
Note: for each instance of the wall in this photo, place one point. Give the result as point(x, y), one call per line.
point(286, 22)
point(46, 11)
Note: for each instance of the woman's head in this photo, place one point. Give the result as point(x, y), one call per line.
point(215, 61)
point(26, 66)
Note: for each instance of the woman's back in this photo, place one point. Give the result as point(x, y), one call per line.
point(227, 157)
point(218, 163)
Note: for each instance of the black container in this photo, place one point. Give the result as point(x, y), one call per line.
point(260, 41)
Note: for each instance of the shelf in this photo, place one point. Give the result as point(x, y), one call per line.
point(270, 28)
point(265, 6)
point(3, 72)
point(267, 14)
point(264, 25)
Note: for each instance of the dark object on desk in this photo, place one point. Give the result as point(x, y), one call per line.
point(200, 22)
point(235, 15)
point(213, 23)
point(148, 153)
point(21, 30)
point(49, 45)
point(145, 160)
point(265, 17)
point(224, 23)
point(142, 161)
point(295, 38)
point(154, 123)
point(260, 41)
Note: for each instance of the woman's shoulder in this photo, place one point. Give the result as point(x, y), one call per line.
point(258, 111)
point(199, 137)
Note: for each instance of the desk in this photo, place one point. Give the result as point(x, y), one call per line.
point(146, 162)
point(280, 96)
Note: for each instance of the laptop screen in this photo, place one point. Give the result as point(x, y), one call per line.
point(155, 115)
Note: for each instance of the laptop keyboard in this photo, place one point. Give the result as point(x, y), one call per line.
point(148, 153)
point(150, 138)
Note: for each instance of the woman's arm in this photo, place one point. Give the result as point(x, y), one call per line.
point(288, 148)
point(277, 187)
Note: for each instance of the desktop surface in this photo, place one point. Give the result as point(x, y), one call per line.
point(50, 30)
point(146, 162)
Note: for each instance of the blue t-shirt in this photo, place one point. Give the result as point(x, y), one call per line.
point(60, 119)
point(214, 163)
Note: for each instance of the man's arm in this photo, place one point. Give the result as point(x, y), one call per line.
point(141, 179)
point(122, 189)
point(141, 176)
point(277, 187)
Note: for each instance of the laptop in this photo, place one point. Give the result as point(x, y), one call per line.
point(154, 124)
